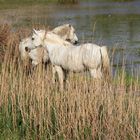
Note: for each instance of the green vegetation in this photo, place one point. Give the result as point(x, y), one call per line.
point(4, 4)
point(50, 1)
point(9, 4)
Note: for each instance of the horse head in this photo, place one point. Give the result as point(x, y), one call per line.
point(67, 32)
point(37, 38)
point(71, 36)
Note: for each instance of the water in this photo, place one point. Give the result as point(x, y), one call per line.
point(114, 24)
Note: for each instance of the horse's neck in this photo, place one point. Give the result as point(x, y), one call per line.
point(55, 39)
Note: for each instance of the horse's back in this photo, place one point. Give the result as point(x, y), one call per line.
point(91, 55)
point(82, 57)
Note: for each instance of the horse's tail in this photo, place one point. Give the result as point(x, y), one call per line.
point(105, 62)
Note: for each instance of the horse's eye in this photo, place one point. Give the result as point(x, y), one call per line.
point(32, 38)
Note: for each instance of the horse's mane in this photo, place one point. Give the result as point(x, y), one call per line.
point(56, 39)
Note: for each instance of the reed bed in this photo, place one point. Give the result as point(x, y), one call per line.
point(32, 107)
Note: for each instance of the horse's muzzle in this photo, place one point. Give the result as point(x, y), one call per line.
point(76, 42)
point(27, 49)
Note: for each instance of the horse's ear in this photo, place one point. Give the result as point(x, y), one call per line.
point(34, 31)
point(20, 38)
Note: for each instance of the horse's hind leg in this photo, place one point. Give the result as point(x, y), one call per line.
point(99, 73)
point(60, 73)
point(93, 73)
point(96, 73)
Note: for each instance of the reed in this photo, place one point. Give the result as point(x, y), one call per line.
point(31, 107)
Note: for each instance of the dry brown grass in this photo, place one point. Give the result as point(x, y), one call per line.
point(31, 107)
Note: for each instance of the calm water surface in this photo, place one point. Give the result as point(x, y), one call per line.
point(114, 24)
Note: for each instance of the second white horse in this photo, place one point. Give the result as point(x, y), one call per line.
point(37, 55)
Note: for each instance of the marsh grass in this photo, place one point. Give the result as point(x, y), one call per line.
point(31, 106)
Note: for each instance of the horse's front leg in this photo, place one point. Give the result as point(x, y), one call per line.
point(65, 77)
point(54, 74)
point(61, 76)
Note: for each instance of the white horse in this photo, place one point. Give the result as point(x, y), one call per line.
point(37, 55)
point(87, 56)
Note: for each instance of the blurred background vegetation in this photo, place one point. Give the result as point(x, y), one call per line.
point(58, 1)
point(4, 4)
